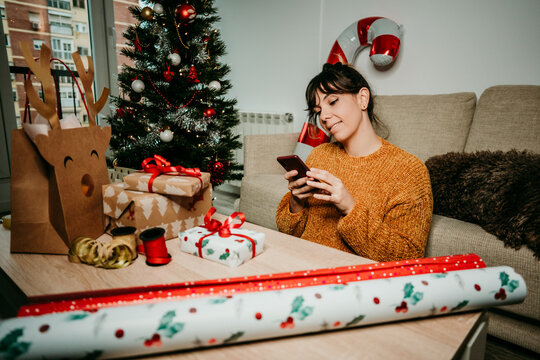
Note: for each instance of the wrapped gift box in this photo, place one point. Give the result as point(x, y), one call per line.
point(168, 184)
point(144, 210)
point(233, 250)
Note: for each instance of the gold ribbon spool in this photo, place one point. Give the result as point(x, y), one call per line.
point(118, 253)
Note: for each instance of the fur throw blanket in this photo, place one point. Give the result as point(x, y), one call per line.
point(500, 191)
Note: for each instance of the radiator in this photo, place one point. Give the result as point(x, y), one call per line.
point(261, 123)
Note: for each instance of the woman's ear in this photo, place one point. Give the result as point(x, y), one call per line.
point(363, 98)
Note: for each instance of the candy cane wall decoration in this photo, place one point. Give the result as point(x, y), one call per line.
point(383, 34)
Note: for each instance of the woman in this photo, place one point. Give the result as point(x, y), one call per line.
point(363, 195)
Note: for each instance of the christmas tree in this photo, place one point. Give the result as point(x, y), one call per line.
point(172, 101)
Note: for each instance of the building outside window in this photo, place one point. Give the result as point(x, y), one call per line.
point(15, 97)
point(81, 27)
point(82, 50)
point(62, 48)
point(7, 40)
point(60, 23)
point(38, 43)
point(60, 4)
point(79, 3)
point(3, 11)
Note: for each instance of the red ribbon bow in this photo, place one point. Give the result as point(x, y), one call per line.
point(224, 229)
point(162, 166)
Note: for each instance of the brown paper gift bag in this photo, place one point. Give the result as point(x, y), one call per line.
point(57, 174)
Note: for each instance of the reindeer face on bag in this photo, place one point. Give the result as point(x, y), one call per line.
point(76, 155)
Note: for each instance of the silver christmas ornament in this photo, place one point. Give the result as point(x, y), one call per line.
point(174, 58)
point(214, 85)
point(166, 135)
point(158, 9)
point(137, 86)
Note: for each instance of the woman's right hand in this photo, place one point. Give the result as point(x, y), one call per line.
point(300, 191)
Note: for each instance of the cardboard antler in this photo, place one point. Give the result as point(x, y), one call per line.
point(87, 78)
point(42, 71)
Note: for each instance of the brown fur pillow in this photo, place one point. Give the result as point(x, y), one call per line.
point(499, 191)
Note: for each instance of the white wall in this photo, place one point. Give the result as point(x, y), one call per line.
point(276, 46)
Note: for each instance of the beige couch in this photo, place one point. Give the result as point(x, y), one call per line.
point(504, 118)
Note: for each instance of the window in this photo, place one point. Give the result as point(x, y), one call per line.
point(7, 40)
point(3, 11)
point(62, 48)
point(15, 98)
point(12, 75)
point(38, 43)
point(79, 3)
point(81, 27)
point(60, 4)
point(82, 50)
point(64, 79)
point(60, 23)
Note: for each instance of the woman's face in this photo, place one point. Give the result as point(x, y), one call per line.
point(340, 114)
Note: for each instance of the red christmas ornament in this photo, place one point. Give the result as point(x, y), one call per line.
point(185, 13)
point(206, 39)
point(217, 172)
point(193, 77)
point(168, 75)
point(209, 112)
point(121, 112)
point(137, 44)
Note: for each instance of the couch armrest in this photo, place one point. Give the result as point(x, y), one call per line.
point(260, 152)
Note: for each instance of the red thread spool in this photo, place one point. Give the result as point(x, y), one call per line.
point(154, 246)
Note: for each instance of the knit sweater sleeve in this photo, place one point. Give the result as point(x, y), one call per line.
point(288, 222)
point(397, 231)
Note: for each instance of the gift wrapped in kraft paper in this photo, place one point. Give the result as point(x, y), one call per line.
point(144, 329)
point(144, 210)
point(58, 166)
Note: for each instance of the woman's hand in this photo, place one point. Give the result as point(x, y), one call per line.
point(331, 189)
point(300, 191)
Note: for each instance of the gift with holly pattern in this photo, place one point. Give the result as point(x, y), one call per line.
point(158, 176)
point(223, 242)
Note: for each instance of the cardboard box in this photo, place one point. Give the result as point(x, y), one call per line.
point(168, 184)
point(144, 210)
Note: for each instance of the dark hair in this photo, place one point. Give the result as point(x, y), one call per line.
point(340, 79)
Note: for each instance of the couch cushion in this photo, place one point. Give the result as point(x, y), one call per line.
point(507, 117)
point(427, 125)
point(260, 196)
point(450, 236)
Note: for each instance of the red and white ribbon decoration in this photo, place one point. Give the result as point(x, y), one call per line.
point(383, 34)
point(224, 230)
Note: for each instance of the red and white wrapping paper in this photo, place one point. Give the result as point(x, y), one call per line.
point(223, 243)
point(201, 322)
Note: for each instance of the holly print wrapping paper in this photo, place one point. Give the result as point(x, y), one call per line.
point(201, 322)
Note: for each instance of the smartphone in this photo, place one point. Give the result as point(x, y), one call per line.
point(293, 162)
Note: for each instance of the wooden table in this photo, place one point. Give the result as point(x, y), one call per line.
point(459, 336)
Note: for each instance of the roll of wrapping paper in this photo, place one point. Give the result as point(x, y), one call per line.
point(91, 301)
point(191, 323)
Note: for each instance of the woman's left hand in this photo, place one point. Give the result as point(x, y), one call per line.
point(331, 189)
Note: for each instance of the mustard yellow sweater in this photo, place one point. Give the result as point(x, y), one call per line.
point(393, 206)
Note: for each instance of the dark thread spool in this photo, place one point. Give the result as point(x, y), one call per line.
point(154, 246)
